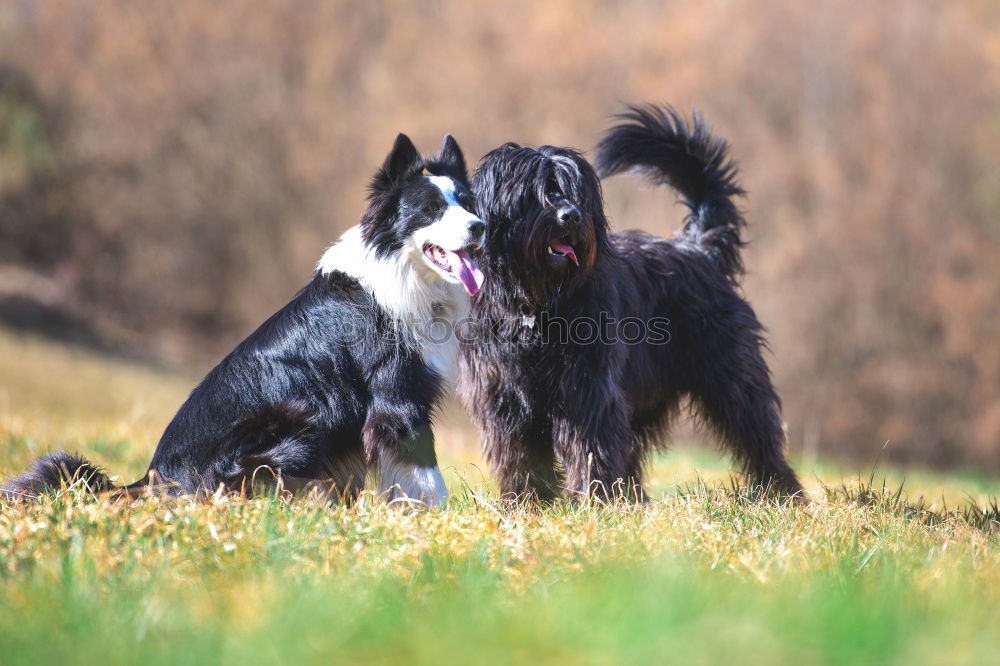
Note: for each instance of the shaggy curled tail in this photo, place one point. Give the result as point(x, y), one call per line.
point(664, 147)
point(53, 471)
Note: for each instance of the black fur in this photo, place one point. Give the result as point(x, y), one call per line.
point(558, 413)
point(657, 142)
point(53, 471)
point(324, 389)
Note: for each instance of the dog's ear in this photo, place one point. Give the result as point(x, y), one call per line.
point(401, 161)
point(452, 158)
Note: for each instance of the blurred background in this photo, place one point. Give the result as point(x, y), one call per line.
point(171, 171)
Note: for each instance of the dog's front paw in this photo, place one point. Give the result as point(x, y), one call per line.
point(403, 483)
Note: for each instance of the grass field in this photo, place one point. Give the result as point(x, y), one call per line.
point(700, 575)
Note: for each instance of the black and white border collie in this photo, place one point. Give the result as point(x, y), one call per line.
point(340, 384)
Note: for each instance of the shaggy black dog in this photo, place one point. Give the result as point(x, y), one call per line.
point(588, 341)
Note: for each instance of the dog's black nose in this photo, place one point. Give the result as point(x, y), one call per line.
point(569, 216)
point(477, 228)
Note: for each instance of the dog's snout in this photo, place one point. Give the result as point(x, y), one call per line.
point(569, 216)
point(477, 232)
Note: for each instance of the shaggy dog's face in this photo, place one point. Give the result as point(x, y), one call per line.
point(544, 215)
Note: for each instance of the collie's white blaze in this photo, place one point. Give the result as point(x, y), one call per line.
point(425, 301)
point(452, 231)
point(450, 238)
point(402, 481)
point(411, 291)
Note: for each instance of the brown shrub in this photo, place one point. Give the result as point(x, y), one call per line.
point(202, 155)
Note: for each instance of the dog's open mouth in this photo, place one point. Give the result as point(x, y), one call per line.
point(457, 263)
point(562, 248)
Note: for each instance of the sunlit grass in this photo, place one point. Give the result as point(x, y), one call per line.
point(702, 576)
point(866, 573)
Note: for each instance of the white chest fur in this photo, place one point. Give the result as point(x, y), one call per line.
point(425, 307)
point(438, 342)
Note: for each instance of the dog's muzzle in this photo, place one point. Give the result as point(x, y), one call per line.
point(477, 233)
point(569, 217)
point(563, 244)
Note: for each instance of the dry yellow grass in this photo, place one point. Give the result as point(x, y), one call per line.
point(701, 575)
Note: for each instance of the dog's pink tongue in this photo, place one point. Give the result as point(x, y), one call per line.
point(467, 271)
point(565, 249)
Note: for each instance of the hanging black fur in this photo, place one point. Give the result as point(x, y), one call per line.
point(560, 408)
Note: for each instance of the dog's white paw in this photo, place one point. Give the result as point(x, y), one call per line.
point(404, 482)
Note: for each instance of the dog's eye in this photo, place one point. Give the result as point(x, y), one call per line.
point(432, 208)
point(552, 190)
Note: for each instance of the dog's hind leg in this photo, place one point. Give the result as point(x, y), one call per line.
point(286, 441)
point(341, 480)
point(734, 396)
